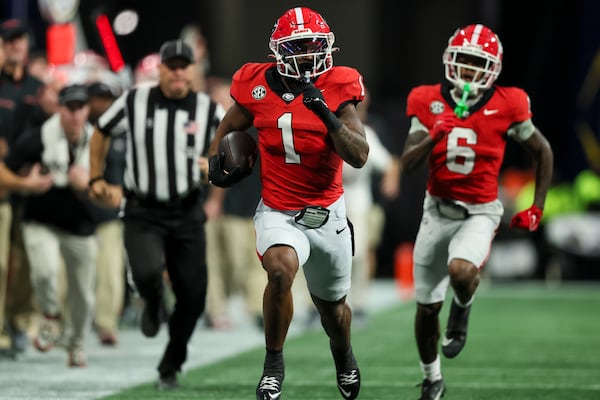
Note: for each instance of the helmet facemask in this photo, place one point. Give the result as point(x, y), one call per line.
point(302, 54)
point(475, 67)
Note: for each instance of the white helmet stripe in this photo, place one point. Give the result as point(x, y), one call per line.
point(476, 33)
point(299, 16)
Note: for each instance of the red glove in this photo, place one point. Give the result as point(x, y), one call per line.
point(527, 219)
point(442, 125)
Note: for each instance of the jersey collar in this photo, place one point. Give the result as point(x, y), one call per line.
point(487, 95)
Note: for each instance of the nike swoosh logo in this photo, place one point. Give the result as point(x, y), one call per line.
point(274, 396)
point(338, 231)
point(345, 393)
point(489, 112)
point(446, 341)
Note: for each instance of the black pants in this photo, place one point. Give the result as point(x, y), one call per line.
point(174, 237)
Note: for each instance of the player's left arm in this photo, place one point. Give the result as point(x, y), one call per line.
point(533, 140)
point(350, 140)
point(530, 137)
point(342, 121)
point(344, 127)
point(538, 146)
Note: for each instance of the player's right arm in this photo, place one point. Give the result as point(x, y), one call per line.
point(417, 147)
point(237, 118)
point(421, 139)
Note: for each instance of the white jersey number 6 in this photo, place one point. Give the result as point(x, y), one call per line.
point(460, 158)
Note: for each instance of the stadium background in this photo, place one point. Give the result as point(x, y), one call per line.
point(551, 50)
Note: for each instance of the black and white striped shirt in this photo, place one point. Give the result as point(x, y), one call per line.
point(165, 139)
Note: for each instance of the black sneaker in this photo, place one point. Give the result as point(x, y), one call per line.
point(456, 332)
point(348, 383)
point(167, 382)
point(269, 387)
point(432, 390)
point(152, 317)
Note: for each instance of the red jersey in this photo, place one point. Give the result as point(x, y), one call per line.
point(465, 164)
point(299, 165)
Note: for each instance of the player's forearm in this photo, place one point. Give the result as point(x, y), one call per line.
point(543, 175)
point(11, 181)
point(99, 145)
point(416, 151)
point(351, 146)
point(236, 118)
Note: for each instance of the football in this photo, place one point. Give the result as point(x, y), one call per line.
point(240, 149)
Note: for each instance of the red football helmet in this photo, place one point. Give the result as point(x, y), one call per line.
point(473, 55)
point(302, 43)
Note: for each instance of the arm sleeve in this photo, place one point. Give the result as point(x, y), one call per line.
point(521, 131)
point(416, 125)
point(113, 121)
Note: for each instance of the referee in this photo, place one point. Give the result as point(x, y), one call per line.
point(169, 128)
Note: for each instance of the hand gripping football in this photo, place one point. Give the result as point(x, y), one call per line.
point(240, 149)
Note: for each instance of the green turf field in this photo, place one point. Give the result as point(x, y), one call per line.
point(525, 342)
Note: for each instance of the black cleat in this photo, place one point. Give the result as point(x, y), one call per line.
point(432, 390)
point(347, 373)
point(269, 387)
point(167, 382)
point(348, 383)
point(456, 332)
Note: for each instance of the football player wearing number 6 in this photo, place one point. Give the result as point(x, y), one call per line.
point(304, 109)
point(461, 210)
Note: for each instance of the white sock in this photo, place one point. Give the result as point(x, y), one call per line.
point(461, 305)
point(432, 372)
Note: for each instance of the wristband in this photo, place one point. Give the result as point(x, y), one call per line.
point(94, 180)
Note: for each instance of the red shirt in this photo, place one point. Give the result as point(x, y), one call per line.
point(465, 164)
point(299, 165)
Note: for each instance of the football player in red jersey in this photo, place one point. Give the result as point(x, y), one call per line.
point(304, 109)
point(461, 129)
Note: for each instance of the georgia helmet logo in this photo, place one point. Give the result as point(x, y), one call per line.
point(259, 92)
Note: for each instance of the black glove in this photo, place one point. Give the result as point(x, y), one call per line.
point(314, 101)
point(218, 177)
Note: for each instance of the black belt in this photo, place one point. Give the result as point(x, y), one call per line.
point(184, 202)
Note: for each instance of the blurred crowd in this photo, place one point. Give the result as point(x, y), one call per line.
point(66, 279)
point(64, 273)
